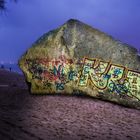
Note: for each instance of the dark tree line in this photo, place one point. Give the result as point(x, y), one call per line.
point(3, 3)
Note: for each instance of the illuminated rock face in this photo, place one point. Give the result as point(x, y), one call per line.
point(76, 58)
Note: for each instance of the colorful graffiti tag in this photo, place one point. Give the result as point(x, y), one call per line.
point(102, 75)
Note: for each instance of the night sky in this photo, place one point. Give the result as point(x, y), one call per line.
point(24, 22)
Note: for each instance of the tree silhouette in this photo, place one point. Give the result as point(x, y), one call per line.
point(2, 4)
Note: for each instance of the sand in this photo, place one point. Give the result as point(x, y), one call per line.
point(28, 117)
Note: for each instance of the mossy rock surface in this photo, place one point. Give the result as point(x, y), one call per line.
point(76, 59)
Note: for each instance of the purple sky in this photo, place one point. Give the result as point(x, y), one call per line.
point(27, 20)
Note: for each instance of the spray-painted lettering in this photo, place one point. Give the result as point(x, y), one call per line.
point(102, 75)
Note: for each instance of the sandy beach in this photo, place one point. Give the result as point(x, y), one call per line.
point(28, 117)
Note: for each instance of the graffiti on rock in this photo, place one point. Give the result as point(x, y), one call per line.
point(53, 72)
point(102, 75)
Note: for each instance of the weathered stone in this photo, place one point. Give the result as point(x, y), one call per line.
point(76, 58)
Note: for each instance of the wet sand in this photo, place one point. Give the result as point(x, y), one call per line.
point(28, 117)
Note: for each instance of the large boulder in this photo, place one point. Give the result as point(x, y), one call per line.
point(78, 59)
